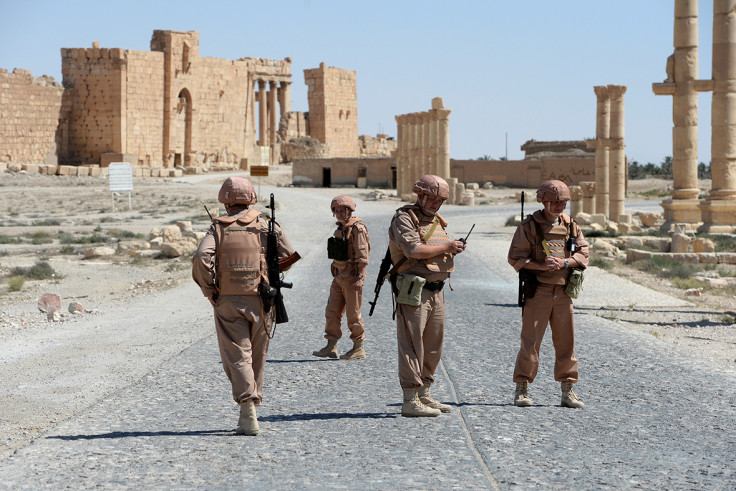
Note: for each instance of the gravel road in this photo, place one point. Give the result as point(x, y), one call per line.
point(134, 396)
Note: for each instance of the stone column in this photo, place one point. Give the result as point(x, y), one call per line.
point(682, 72)
point(285, 93)
point(617, 154)
point(262, 113)
point(576, 200)
point(602, 134)
point(443, 138)
point(273, 111)
point(588, 188)
point(719, 208)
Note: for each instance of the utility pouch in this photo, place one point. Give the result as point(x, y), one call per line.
point(528, 283)
point(410, 289)
point(574, 283)
point(337, 249)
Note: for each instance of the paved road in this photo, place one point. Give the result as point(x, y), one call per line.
point(655, 416)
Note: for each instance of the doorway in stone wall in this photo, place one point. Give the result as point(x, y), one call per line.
point(182, 128)
point(326, 177)
point(392, 182)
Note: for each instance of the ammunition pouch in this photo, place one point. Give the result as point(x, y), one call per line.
point(574, 284)
point(410, 289)
point(528, 283)
point(337, 249)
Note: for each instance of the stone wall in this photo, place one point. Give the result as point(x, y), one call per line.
point(29, 117)
point(524, 173)
point(357, 171)
point(377, 146)
point(333, 109)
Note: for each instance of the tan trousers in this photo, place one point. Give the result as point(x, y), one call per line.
point(243, 342)
point(420, 332)
point(549, 304)
point(344, 299)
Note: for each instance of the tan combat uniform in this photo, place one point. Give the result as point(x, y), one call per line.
point(241, 324)
point(550, 304)
point(344, 298)
point(420, 330)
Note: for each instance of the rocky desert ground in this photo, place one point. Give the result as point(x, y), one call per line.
point(100, 260)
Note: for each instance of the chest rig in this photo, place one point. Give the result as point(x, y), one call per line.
point(240, 254)
point(432, 232)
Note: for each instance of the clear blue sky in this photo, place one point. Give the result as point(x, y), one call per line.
point(526, 69)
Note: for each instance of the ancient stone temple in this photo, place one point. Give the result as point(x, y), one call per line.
point(169, 106)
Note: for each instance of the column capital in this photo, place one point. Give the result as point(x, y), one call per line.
point(616, 91)
point(261, 83)
point(601, 91)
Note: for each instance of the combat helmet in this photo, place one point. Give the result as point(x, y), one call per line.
point(237, 191)
point(433, 186)
point(342, 200)
point(553, 190)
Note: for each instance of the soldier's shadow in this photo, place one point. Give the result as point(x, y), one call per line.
point(135, 434)
point(326, 416)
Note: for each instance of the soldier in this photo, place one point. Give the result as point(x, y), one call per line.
point(229, 266)
point(422, 255)
point(349, 249)
point(542, 245)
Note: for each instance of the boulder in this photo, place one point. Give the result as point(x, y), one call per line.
point(76, 308)
point(178, 248)
point(49, 303)
point(95, 252)
point(649, 219)
point(680, 243)
point(703, 245)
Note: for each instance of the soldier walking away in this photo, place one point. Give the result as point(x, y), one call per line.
point(349, 249)
point(422, 255)
point(230, 267)
point(549, 244)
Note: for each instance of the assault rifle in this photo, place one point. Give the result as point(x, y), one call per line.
point(382, 274)
point(271, 293)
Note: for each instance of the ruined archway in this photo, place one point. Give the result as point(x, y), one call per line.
point(181, 134)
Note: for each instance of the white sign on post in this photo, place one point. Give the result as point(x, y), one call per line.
point(121, 179)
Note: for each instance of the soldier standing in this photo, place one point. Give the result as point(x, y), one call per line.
point(349, 248)
point(229, 266)
point(422, 255)
point(548, 243)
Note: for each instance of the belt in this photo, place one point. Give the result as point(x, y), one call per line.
point(435, 286)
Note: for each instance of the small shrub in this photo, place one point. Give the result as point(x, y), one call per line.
point(4, 239)
point(47, 222)
point(15, 283)
point(687, 283)
point(41, 237)
point(599, 262)
point(512, 222)
point(665, 268)
point(68, 249)
point(42, 271)
point(123, 234)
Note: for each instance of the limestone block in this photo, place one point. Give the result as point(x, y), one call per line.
point(178, 248)
point(13, 167)
point(624, 218)
point(633, 255)
point(685, 257)
point(95, 252)
point(598, 218)
point(632, 241)
point(3, 166)
point(31, 168)
point(596, 226)
point(605, 248)
point(703, 245)
point(155, 232)
point(472, 185)
point(171, 233)
point(708, 258)
point(459, 190)
point(184, 226)
point(726, 257)
point(635, 229)
point(129, 245)
point(488, 185)
point(467, 198)
point(65, 170)
point(624, 228)
point(156, 242)
point(82, 171)
point(661, 244)
point(680, 243)
point(612, 227)
point(583, 218)
point(649, 219)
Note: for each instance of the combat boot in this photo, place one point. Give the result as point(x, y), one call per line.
point(521, 396)
point(569, 399)
point(329, 351)
point(426, 398)
point(413, 407)
point(357, 353)
point(248, 421)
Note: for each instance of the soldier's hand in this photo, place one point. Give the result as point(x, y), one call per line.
point(553, 263)
point(358, 285)
point(456, 246)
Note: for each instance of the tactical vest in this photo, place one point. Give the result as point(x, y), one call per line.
point(432, 233)
point(556, 238)
point(240, 254)
point(341, 246)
